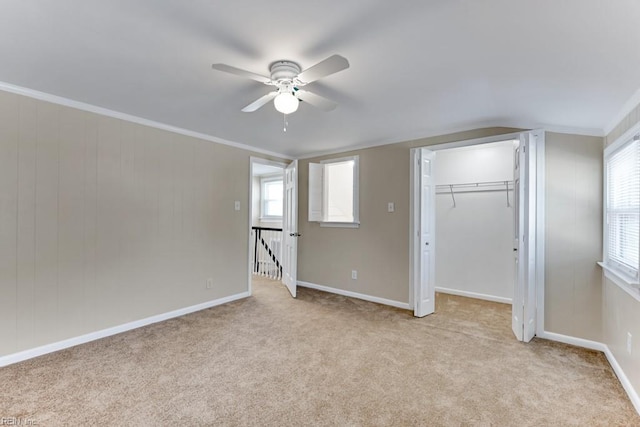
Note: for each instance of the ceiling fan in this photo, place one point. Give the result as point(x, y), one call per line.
point(288, 79)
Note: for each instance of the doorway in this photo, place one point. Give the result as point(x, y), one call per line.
point(267, 204)
point(482, 198)
point(273, 222)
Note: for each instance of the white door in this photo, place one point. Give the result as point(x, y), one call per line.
point(517, 304)
point(425, 291)
point(290, 228)
point(524, 298)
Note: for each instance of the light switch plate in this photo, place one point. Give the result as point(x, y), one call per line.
point(391, 207)
point(236, 205)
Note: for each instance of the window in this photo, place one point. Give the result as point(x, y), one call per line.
point(333, 192)
point(271, 198)
point(622, 209)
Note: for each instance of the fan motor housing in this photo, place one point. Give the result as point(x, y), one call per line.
point(284, 70)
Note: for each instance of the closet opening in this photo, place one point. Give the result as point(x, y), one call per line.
point(477, 228)
point(474, 225)
point(474, 234)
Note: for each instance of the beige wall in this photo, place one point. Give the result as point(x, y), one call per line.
point(621, 314)
point(103, 222)
point(573, 282)
point(625, 124)
point(379, 249)
point(621, 311)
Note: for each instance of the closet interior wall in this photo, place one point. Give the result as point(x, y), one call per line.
point(475, 224)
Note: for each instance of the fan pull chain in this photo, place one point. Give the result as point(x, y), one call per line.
point(284, 122)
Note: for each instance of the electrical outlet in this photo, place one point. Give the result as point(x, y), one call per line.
point(354, 274)
point(236, 205)
point(209, 284)
point(629, 342)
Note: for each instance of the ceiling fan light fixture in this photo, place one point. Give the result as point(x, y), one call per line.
point(286, 103)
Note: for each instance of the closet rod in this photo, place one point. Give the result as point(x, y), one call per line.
point(473, 187)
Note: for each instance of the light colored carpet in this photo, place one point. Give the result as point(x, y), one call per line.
point(321, 359)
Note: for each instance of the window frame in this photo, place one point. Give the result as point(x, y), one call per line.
point(264, 180)
point(619, 273)
point(356, 193)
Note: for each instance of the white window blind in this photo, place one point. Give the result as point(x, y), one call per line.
point(623, 209)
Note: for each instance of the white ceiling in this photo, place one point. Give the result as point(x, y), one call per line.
point(260, 169)
point(418, 68)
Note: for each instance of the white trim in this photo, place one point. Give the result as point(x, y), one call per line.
point(622, 139)
point(622, 282)
point(473, 295)
point(413, 136)
point(566, 339)
point(624, 380)
point(540, 207)
point(417, 137)
point(514, 136)
point(59, 100)
point(340, 224)
point(628, 106)
point(414, 223)
point(92, 336)
point(618, 273)
point(598, 346)
point(540, 227)
point(364, 297)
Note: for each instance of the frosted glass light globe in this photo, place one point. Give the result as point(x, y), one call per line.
point(286, 103)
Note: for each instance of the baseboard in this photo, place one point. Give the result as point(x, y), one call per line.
point(364, 297)
point(624, 380)
point(60, 345)
point(578, 342)
point(473, 295)
point(594, 345)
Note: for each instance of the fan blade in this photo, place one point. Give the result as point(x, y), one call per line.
point(259, 102)
point(329, 66)
point(242, 73)
point(316, 100)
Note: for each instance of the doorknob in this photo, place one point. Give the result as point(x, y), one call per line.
point(295, 234)
point(427, 243)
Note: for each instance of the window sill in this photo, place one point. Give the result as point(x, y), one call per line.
point(626, 283)
point(340, 224)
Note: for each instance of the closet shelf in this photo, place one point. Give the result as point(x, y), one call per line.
point(473, 187)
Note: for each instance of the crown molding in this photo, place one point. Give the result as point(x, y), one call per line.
point(66, 102)
point(628, 106)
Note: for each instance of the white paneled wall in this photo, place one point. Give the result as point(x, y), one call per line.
point(104, 221)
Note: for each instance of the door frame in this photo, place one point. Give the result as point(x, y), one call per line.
point(539, 187)
point(255, 160)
